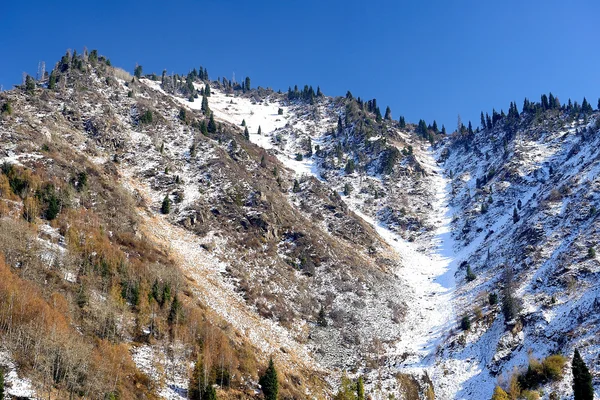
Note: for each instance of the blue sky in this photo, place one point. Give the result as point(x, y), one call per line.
point(425, 59)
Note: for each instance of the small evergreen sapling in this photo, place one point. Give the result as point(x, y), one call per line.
point(165, 208)
point(296, 187)
point(268, 382)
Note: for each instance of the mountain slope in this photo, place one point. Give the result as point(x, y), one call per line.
point(249, 224)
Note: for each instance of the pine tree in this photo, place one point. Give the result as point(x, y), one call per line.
point(207, 90)
point(247, 84)
point(360, 389)
point(29, 84)
point(388, 113)
point(212, 126)
point(243, 122)
point(175, 311)
point(516, 217)
point(443, 130)
point(268, 382)
point(52, 81)
point(138, 71)
point(246, 133)
point(259, 131)
point(582, 379)
point(598, 104)
point(321, 320)
point(402, 122)
point(470, 275)
point(165, 208)
point(340, 127)
point(482, 121)
point(296, 187)
point(205, 109)
point(586, 107)
point(510, 308)
point(349, 166)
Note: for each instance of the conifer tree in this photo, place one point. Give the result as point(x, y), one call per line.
point(212, 126)
point(598, 107)
point(52, 81)
point(482, 121)
point(582, 379)
point(259, 130)
point(388, 113)
point(434, 126)
point(516, 217)
point(402, 122)
point(510, 308)
point(321, 320)
point(268, 382)
point(296, 187)
point(443, 130)
point(247, 84)
point(246, 133)
point(207, 90)
point(138, 71)
point(175, 311)
point(340, 127)
point(165, 208)
point(205, 109)
point(360, 389)
point(29, 84)
point(243, 122)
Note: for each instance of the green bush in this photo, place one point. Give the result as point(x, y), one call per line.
point(554, 366)
point(465, 323)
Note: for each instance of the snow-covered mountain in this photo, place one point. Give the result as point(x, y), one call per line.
point(311, 230)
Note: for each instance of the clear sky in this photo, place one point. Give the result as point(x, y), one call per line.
point(425, 59)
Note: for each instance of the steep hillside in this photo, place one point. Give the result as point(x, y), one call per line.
point(168, 230)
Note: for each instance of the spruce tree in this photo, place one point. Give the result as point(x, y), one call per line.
point(207, 90)
point(165, 208)
point(52, 81)
point(175, 311)
point(360, 389)
point(246, 133)
point(510, 308)
point(482, 121)
point(138, 71)
point(243, 122)
point(268, 382)
point(321, 320)
point(516, 217)
point(247, 84)
point(212, 126)
point(582, 379)
point(402, 122)
point(259, 130)
point(205, 109)
point(388, 113)
point(29, 84)
point(296, 187)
